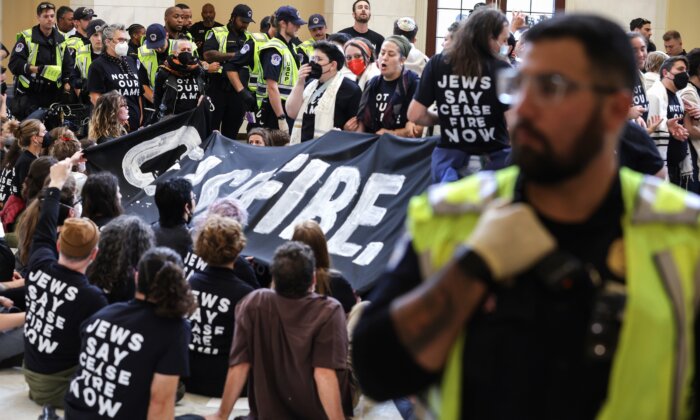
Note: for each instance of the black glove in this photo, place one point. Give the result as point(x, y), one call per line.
point(248, 99)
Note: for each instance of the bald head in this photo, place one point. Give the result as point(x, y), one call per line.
point(208, 14)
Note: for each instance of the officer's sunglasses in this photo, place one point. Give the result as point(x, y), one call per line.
point(44, 6)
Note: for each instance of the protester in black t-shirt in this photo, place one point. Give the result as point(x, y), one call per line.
point(109, 118)
point(638, 151)
point(218, 290)
point(59, 297)
point(386, 98)
point(200, 29)
point(113, 70)
point(101, 198)
point(361, 13)
point(132, 354)
point(329, 282)
point(123, 241)
point(29, 136)
point(462, 81)
point(179, 82)
point(175, 201)
point(327, 101)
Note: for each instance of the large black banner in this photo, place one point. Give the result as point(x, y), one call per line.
point(356, 186)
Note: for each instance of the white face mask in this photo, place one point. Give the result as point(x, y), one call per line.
point(504, 50)
point(121, 49)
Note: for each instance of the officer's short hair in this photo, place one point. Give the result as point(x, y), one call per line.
point(62, 11)
point(44, 5)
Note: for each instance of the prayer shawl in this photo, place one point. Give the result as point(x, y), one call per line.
point(325, 111)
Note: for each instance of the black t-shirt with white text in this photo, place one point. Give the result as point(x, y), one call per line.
point(182, 96)
point(471, 116)
point(242, 269)
point(7, 184)
point(347, 102)
point(58, 300)
point(639, 97)
point(21, 169)
point(677, 149)
point(105, 75)
point(122, 347)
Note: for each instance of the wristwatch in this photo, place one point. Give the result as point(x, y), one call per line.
point(281, 117)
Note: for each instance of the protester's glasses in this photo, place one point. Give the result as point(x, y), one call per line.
point(317, 59)
point(120, 40)
point(546, 89)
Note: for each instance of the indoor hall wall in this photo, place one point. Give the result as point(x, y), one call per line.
point(684, 16)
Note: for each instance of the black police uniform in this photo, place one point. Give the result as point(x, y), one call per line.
point(41, 92)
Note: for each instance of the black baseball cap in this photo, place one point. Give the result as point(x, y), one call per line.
point(95, 26)
point(289, 14)
point(316, 21)
point(244, 12)
point(83, 13)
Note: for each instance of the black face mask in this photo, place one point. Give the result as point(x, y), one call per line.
point(680, 80)
point(316, 71)
point(185, 58)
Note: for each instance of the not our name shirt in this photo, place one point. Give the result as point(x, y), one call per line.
point(185, 95)
point(471, 116)
point(639, 97)
point(121, 348)
point(105, 75)
point(58, 300)
point(347, 101)
point(677, 149)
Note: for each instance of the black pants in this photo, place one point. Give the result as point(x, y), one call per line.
point(228, 108)
point(268, 118)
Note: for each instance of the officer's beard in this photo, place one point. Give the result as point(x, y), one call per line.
point(545, 167)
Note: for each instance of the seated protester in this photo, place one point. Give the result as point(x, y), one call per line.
point(219, 243)
point(114, 269)
point(359, 57)
point(31, 187)
point(113, 70)
point(101, 198)
point(149, 336)
point(179, 82)
point(109, 118)
point(57, 289)
point(232, 209)
point(30, 217)
point(176, 202)
point(258, 137)
point(29, 135)
point(386, 97)
point(64, 145)
point(278, 138)
point(327, 101)
point(11, 331)
point(295, 336)
point(339, 39)
point(329, 282)
point(7, 169)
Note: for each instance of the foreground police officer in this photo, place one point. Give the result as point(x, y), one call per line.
point(222, 44)
point(578, 299)
point(279, 69)
point(40, 63)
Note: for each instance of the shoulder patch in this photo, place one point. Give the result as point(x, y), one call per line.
point(19, 47)
point(245, 49)
point(276, 59)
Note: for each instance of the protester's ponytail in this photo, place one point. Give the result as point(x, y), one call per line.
point(162, 281)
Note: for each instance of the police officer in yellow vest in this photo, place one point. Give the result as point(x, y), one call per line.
point(319, 32)
point(40, 63)
point(84, 57)
point(223, 44)
point(81, 19)
point(152, 54)
point(279, 62)
point(559, 288)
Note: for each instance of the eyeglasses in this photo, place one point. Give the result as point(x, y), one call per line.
point(547, 89)
point(316, 59)
point(120, 40)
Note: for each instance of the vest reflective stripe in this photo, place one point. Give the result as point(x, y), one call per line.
point(149, 59)
point(31, 60)
point(83, 60)
point(221, 35)
point(662, 256)
point(289, 73)
point(74, 43)
point(674, 287)
point(260, 40)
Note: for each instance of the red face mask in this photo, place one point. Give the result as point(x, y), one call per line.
point(357, 66)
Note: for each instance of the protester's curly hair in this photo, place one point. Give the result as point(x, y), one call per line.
point(220, 240)
point(64, 145)
point(104, 121)
point(123, 241)
point(162, 280)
